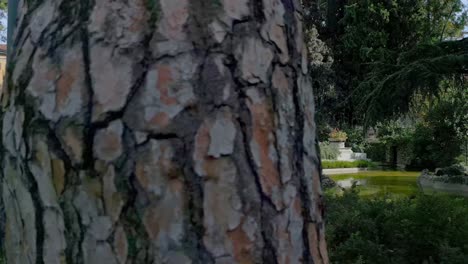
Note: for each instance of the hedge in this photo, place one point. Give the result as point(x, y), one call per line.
point(337, 164)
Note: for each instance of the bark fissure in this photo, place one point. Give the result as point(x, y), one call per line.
point(90, 131)
point(38, 208)
point(266, 204)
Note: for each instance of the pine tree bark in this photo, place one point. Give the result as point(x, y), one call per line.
point(160, 131)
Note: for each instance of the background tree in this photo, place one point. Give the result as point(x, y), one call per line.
point(168, 131)
point(3, 15)
point(366, 35)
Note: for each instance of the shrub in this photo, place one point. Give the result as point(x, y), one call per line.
point(422, 229)
point(454, 170)
point(356, 139)
point(376, 152)
point(327, 182)
point(439, 139)
point(326, 164)
point(328, 151)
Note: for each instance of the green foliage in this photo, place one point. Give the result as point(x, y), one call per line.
point(390, 88)
point(356, 139)
point(381, 50)
point(328, 151)
point(432, 138)
point(376, 151)
point(438, 139)
point(454, 170)
point(394, 133)
point(425, 229)
point(327, 164)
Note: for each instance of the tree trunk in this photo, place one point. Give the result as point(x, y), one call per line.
point(170, 131)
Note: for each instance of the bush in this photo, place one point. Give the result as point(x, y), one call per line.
point(423, 229)
point(454, 170)
point(328, 151)
point(327, 182)
point(356, 139)
point(376, 152)
point(326, 164)
point(438, 140)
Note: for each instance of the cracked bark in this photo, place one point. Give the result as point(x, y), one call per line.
point(170, 131)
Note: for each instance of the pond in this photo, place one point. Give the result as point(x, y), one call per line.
point(372, 183)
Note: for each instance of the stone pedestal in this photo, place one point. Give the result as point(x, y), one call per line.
point(347, 154)
point(338, 144)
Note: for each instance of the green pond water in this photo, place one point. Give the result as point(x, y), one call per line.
point(372, 183)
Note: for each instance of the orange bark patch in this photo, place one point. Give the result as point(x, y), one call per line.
point(297, 206)
point(159, 163)
point(323, 247)
point(280, 81)
point(284, 254)
point(64, 88)
point(138, 20)
point(242, 246)
point(120, 244)
point(74, 143)
point(263, 128)
point(165, 79)
point(111, 144)
point(161, 218)
point(160, 120)
point(202, 143)
point(66, 81)
point(140, 174)
point(316, 181)
point(154, 221)
point(314, 243)
point(175, 15)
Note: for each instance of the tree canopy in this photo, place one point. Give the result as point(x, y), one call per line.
point(376, 43)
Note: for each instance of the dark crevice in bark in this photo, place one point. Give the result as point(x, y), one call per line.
point(194, 189)
point(57, 42)
point(266, 204)
point(88, 156)
point(258, 13)
point(54, 143)
point(299, 171)
point(131, 219)
point(79, 258)
point(20, 29)
point(158, 136)
point(299, 149)
point(38, 213)
point(277, 123)
point(39, 218)
point(288, 5)
point(195, 195)
point(23, 83)
point(88, 160)
point(201, 13)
